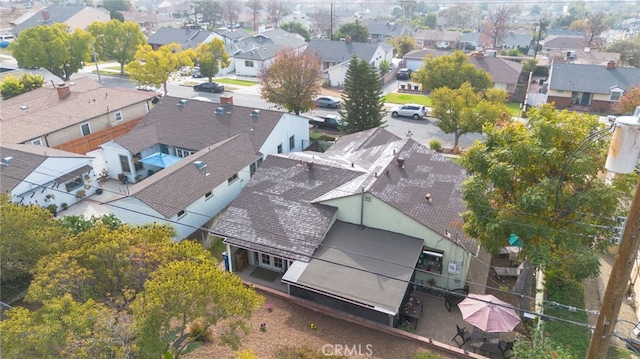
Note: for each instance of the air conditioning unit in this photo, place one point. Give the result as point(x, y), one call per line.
point(571, 54)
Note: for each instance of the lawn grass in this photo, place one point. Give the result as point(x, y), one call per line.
point(402, 98)
point(224, 80)
point(217, 248)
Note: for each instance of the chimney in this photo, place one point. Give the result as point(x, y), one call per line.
point(228, 100)
point(310, 166)
point(400, 161)
point(45, 15)
point(479, 55)
point(347, 38)
point(611, 64)
point(63, 90)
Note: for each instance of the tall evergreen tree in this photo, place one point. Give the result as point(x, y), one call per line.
point(362, 98)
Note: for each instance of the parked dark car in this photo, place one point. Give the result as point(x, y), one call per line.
point(209, 87)
point(327, 122)
point(404, 74)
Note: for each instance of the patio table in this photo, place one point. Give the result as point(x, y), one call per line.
point(484, 343)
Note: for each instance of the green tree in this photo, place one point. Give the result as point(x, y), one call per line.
point(28, 234)
point(12, 86)
point(451, 71)
point(357, 31)
point(628, 102)
point(431, 20)
point(529, 65)
point(385, 66)
point(211, 56)
point(117, 5)
point(402, 44)
point(292, 81)
point(462, 15)
point(539, 346)
point(185, 291)
point(53, 48)
point(61, 328)
point(541, 182)
point(575, 11)
point(628, 49)
point(297, 28)
point(116, 15)
point(117, 40)
point(362, 97)
point(211, 11)
point(153, 67)
point(460, 111)
point(592, 27)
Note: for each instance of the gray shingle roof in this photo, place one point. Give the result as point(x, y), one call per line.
point(26, 159)
point(501, 70)
point(438, 35)
point(341, 51)
point(517, 40)
point(185, 37)
point(592, 78)
point(57, 14)
point(266, 45)
point(563, 42)
point(196, 125)
point(280, 210)
point(387, 29)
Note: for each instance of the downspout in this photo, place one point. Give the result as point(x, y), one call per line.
point(362, 209)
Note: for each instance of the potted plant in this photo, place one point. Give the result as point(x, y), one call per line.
point(81, 193)
point(53, 208)
point(64, 205)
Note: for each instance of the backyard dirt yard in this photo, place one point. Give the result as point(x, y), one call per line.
point(289, 325)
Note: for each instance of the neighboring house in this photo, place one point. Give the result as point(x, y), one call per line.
point(76, 116)
point(186, 38)
point(36, 175)
point(469, 41)
point(149, 22)
point(335, 56)
point(592, 88)
point(521, 41)
point(258, 51)
point(354, 227)
point(414, 59)
point(381, 32)
point(579, 56)
point(568, 43)
point(73, 16)
point(210, 151)
point(230, 38)
point(506, 74)
point(438, 39)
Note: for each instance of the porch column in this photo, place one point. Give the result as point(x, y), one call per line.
point(229, 258)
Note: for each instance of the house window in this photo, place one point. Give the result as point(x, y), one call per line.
point(232, 179)
point(182, 153)
point(259, 162)
point(615, 96)
point(252, 169)
point(280, 148)
point(292, 142)
point(85, 129)
point(430, 261)
point(208, 195)
point(136, 162)
point(164, 148)
point(277, 262)
point(181, 214)
point(118, 116)
point(124, 164)
point(265, 259)
point(74, 184)
point(37, 142)
point(248, 63)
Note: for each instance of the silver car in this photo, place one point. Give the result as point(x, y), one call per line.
point(327, 101)
point(409, 110)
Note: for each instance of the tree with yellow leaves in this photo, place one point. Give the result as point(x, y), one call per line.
point(153, 67)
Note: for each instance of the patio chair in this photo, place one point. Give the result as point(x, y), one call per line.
point(506, 348)
point(463, 334)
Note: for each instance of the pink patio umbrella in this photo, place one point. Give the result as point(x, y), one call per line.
point(488, 313)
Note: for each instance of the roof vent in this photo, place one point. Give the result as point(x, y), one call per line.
point(220, 111)
point(182, 103)
point(200, 165)
point(7, 160)
point(428, 197)
point(255, 113)
point(24, 107)
point(400, 161)
point(310, 166)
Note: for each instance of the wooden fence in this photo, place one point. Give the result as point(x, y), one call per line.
point(93, 141)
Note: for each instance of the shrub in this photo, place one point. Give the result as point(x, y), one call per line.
point(426, 355)
point(246, 354)
point(199, 333)
point(53, 208)
point(81, 193)
point(435, 145)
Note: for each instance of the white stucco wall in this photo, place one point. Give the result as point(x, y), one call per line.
point(289, 125)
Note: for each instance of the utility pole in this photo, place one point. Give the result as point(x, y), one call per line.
point(621, 271)
point(331, 29)
point(535, 50)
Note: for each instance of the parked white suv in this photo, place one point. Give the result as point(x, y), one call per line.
point(409, 110)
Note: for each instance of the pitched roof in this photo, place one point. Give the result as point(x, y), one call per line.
point(422, 53)
point(233, 35)
point(340, 51)
point(266, 45)
point(41, 111)
point(55, 13)
point(517, 40)
point(437, 35)
point(281, 211)
point(592, 78)
point(387, 29)
point(185, 37)
point(501, 70)
point(26, 159)
point(196, 125)
point(563, 42)
point(177, 187)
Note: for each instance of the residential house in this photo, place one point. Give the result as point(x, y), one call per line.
point(506, 74)
point(230, 39)
point(76, 116)
point(36, 175)
point(258, 51)
point(149, 22)
point(381, 32)
point(335, 56)
point(585, 56)
point(591, 88)
point(470, 41)
point(519, 41)
point(186, 38)
point(355, 227)
point(568, 43)
point(414, 59)
point(188, 159)
point(73, 16)
point(438, 39)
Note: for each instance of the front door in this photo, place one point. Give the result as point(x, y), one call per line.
point(585, 100)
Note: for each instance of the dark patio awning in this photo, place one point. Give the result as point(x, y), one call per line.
point(73, 174)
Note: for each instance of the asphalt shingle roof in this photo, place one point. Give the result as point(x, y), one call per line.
point(501, 70)
point(57, 14)
point(341, 51)
point(185, 37)
point(266, 45)
point(592, 78)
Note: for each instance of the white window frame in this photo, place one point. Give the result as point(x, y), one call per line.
point(619, 93)
point(118, 116)
point(248, 63)
point(208, 195)
point(88, 128)
point(182, 153)
point(37, 142)
point(232, 179)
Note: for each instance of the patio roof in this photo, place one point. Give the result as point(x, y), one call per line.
point(368, 267)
